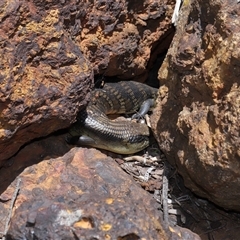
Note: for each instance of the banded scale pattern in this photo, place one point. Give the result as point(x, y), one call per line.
point(118, 136)
point(122, 97)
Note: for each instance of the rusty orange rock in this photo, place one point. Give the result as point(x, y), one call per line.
point(76, 192)
point(200, 95)
point(49, 52)
point(84, 191)
point(45, 78)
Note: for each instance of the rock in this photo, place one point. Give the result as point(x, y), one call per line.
point(50, 51)
point(77, 193)
point(39, 150)
point(44, 77)
point(196, 121)
point(83, 194)
point(122, 38)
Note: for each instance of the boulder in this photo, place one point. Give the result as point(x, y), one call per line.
point(83, 194)
point(56, 192)
point(51, 50)
point(196, 121)
point(44, 77)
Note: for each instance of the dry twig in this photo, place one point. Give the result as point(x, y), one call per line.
point(165, 199)
point(14, 197)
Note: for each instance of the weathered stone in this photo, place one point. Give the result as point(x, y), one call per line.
point(44, 76)
point(200, 98)
point(118, 37)
point(49, 51)
point(81, 195)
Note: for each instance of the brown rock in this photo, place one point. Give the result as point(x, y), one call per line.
point(44, 76)
point(81, 195)
point(200, 95)
point(118, 37)
point(50, 49)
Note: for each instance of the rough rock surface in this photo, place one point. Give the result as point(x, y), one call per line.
point(200, 98)
point(84, 190)
point(44, 76)
point(50, 50)
point(83, 195)
point(119, 36)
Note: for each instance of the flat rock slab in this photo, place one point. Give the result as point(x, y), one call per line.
point(84, 195)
